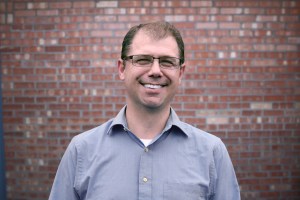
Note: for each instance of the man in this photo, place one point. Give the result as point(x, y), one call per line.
point(146, 152)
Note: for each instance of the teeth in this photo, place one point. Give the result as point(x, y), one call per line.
point(152, 86)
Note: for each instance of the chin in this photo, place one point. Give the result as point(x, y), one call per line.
point(154, 106)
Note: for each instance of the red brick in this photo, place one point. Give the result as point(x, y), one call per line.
point(248, 3)
point(254, 11)
point(10, 49)
point(69, 41)
point(84, 4)
point(44, 56)
point(269, 3)
point(101, 33)
point(71, 114)
point(179, 11)
point(19, 6)
point(25, 13)
point(77, 19)
point(32, 49)
point(66, 26)
point(44, 27)
point(208, 11)
point(60, 5)
point(55, 49)
point(221, 18)
point(46, 99)
point(231, 10)
point(288, 18)
point(244, 18)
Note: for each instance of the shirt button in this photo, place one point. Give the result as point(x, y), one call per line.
point(146, 149)
point(145, 180)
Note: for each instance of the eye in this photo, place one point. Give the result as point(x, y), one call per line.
point(168, 62)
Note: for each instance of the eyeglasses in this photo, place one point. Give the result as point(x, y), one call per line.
point(165, 62)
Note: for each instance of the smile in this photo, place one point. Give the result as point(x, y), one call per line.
point(152, 86)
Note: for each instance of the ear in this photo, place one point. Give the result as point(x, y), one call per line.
point(181, 72)
point(121, 69)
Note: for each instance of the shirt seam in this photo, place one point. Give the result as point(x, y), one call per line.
point(78, 170)
point(216, 146)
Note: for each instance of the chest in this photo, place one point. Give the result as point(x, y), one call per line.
point(161, 171)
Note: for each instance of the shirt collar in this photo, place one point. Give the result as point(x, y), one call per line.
point(118, 121)
point(173, 121)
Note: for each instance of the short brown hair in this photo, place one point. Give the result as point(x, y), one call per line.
point(157, 30)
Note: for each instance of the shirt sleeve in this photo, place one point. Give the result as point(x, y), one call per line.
point(226, 185)
point(64, 183)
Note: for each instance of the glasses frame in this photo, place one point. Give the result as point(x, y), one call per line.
point(153, 58)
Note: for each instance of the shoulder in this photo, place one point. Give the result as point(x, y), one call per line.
point(202, 140)
point(92, 136)
point(199, 135)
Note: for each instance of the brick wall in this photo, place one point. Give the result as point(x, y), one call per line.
point(58, 65)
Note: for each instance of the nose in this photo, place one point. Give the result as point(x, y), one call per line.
point(155, 69)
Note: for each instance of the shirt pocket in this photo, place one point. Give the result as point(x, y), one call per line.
point(174, 191)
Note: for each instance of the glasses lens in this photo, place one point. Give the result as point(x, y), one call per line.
point(169, 62)
point(142, 60)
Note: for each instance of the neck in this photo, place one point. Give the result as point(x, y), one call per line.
point(146, 123)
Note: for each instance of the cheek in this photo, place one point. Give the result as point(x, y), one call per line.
point(129, 79)
point(176, 78)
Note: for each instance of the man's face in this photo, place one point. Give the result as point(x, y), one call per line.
point(151, 87)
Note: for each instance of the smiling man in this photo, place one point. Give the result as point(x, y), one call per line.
point(146, 152)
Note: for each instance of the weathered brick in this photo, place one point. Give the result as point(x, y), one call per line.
point(47, 12)
point(201, 3)
point(231, 10)
point(175, 18)
point(261, 106)
point(131, 3)
point(224, 25)
point(206, 25)
point(266, 18)
point(106, 4)
point(217, 120)
point(42, 5)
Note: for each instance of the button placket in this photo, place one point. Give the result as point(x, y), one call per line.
point(145, 175)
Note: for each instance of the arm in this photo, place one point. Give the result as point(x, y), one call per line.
point(226, 186)
point(64, 183)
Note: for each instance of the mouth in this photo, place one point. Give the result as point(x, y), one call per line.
point(153, 86)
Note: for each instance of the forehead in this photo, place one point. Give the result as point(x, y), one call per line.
point(144, 43)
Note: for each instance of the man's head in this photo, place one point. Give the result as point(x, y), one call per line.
point(155, 30)
point(154, 58)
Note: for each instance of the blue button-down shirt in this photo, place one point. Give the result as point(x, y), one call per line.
point(111, 163)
